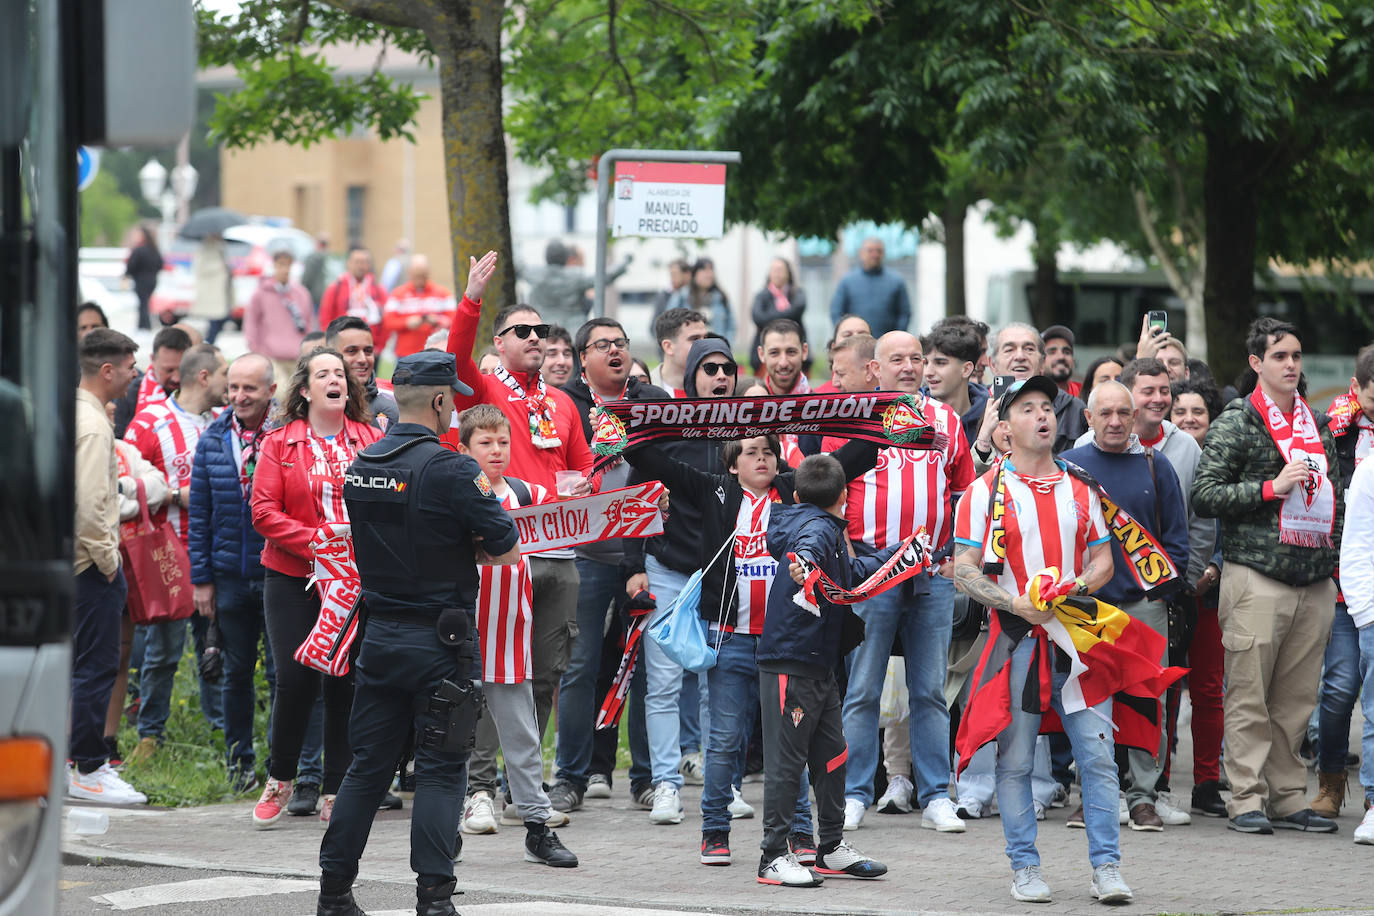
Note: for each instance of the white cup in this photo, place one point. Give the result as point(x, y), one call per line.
point(87, 821)
point(567, 481)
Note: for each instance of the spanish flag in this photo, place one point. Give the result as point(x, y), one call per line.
point(1110, 656)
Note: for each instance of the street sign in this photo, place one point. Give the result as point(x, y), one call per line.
point(87, 166)
point(669, 200)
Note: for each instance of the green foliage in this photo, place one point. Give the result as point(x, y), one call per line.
point(106, 213)
point(290, 93)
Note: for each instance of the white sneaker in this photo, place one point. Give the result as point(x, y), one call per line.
point(1039, 811)
point(1123, 814)
point(969, 809)
point(785, 870)
point(598, 786)
point(853, 813)
point(692, 769)
point(667, 805)
point(897, 798)
point(739, 808)
point(1108, 886)
point(478, 814)
point(103, 785)
point(1364, 834)
point(939, 815)
point(1028, 885)
point(1170, 813)
point(1061, 796)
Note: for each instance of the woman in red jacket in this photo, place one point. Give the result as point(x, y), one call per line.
point(297, 487)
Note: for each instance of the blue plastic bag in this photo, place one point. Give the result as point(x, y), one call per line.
point(679, 631)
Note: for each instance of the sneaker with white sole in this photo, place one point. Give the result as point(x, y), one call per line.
point(739, 808)
point(1028, 885)
point(844, 859)
point(693, 770)
point(1108, 885)
point(1173, 814)
point(786, 871)
point(1364, 834)
point(667, 805)
point(1039, 811)
point(939, 815)
point(1123, 813)
point(1060, 799)
point(598, 786)
point(897, 798)
point(103, 784)
point(969, 809)
point(276, 795)
point(853, 813)
point(479, 815)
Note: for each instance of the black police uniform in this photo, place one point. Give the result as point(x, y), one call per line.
point(415, 508)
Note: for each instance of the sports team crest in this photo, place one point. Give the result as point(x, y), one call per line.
point(797, 716)
point(609, 437)
point(482, 483)
point(902, 421)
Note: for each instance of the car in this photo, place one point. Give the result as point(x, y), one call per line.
point(249, 249)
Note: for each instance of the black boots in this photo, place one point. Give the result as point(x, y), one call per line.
point(336, 898)
point(434, 901)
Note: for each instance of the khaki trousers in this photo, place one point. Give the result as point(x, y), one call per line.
point(1275, 638)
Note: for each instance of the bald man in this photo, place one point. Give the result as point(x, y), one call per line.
point(906, 491)
point(417, 309)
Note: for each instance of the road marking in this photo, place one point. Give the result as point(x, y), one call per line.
point(225, 887)
point(546, 908)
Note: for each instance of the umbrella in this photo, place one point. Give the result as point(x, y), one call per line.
point(211, 221)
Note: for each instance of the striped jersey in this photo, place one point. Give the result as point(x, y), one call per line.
point(505, 606)
point(910, 488)
point(166, 435)
point(1048, 522)
point(330, 457)
point(754, 567)
point(149, 391)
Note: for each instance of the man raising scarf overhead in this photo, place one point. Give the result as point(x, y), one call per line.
point(1269, 474)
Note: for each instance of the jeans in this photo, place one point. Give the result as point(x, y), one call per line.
point(734, 700)
point(663, 684)
point(600, 583)
point(163, 645)
point(238, 610)
point(96, 608)
point(1366, 639)
point(690, 702)
point(924, 622)
point(1090, 734)
point(1340, 688)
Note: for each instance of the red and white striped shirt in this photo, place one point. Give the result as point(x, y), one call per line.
point(754, 567)
point(149, 392)
point(165, 434)
point(1050, 524)
point(332, 456)
point(910, 488)
point(505, 606)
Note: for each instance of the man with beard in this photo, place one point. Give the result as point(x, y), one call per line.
point(157, 384)
point(352, 337)
point(604, 350)
point(783, 353)
point(1059, 362)
point(1018, 351)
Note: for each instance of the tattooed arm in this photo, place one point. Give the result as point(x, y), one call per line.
point(969, 579)
point(1099, 570)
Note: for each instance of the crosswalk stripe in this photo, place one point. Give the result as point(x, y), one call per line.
point(224, 887)
point(545, 908)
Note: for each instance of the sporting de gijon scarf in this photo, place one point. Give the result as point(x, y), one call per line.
point(538, 404)
point(1308, 511)
point(1346, 412)
point(910, 558)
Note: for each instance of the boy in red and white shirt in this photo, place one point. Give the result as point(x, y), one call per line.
point(504, 612)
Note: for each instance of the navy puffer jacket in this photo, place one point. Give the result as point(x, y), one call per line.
point(221, 536)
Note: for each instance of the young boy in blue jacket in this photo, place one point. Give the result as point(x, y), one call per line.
point(798, 655)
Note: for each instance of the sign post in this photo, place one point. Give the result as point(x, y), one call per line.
point(659, 194)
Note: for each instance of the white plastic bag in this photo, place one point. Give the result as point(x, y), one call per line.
point(895, 703)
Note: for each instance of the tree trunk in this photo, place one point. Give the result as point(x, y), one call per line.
point(1231, 199)
point(467, 37)
point(952, 215)
point(1042, 304)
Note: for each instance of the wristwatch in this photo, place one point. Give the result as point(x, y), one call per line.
point(1082, 587)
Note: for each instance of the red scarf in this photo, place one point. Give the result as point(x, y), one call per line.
point(780, 301)
point(1345, 414)
point(1308, 512)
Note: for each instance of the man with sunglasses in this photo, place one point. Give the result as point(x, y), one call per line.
point(604, 352)
point(547, 438)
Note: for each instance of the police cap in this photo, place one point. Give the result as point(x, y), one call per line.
point(429, 368)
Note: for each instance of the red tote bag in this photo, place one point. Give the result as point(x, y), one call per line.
point(157, 569)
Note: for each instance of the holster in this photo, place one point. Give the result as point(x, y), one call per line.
point(456, 707)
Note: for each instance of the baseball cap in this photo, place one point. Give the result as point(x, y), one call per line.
point(1057, 331)
point(1041, 383)
point(429, 367)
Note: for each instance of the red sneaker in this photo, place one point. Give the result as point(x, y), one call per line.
point(715, 849)
point(272, 804)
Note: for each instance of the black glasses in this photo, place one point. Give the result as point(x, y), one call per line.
point(712, 368)
point(620, 343)
point(523, 330)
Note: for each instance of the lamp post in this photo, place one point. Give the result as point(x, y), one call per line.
point(152, 181)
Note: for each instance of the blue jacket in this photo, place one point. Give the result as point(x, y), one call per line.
point(794, 640)
point(221, 536)
point(878, 297)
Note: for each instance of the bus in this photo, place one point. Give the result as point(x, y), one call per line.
point(69, 75)
point(1105, 311)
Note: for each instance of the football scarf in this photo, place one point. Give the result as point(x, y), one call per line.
point(886, 417)
point(912, 557)
point(1308, 512)
point(1348, 418)
point(539, 405)
point(336, 581)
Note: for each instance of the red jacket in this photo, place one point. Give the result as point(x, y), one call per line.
point(285, 512)
point(530, 464)
point(338, 300)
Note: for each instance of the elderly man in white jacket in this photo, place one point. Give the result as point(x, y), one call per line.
point(1357, 585)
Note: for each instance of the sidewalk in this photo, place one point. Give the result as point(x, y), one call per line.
point(1203, 868)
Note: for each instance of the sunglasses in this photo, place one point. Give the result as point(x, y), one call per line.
point(620, 343)
point(711, 369)
point(523, 330)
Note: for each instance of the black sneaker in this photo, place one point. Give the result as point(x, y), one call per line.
point(304, 800)
point(715, 849)
point(1251, 822)
point(1307, 820)
point(803, 847)
point(391, 802)
point(1207, 799)
point(547, 849)
point(565, 797)
point(243, 779)
point(643, 797)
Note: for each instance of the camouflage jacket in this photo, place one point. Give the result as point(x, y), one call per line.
point(1238, 458)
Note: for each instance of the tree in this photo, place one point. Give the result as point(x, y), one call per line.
point(106, 214)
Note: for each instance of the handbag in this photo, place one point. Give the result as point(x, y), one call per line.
point(157, 569)
point(679, 632)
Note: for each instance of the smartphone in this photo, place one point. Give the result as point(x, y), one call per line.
point(1159, 319)
point(1000, 384)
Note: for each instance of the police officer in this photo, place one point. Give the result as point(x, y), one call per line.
point(422, 518)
